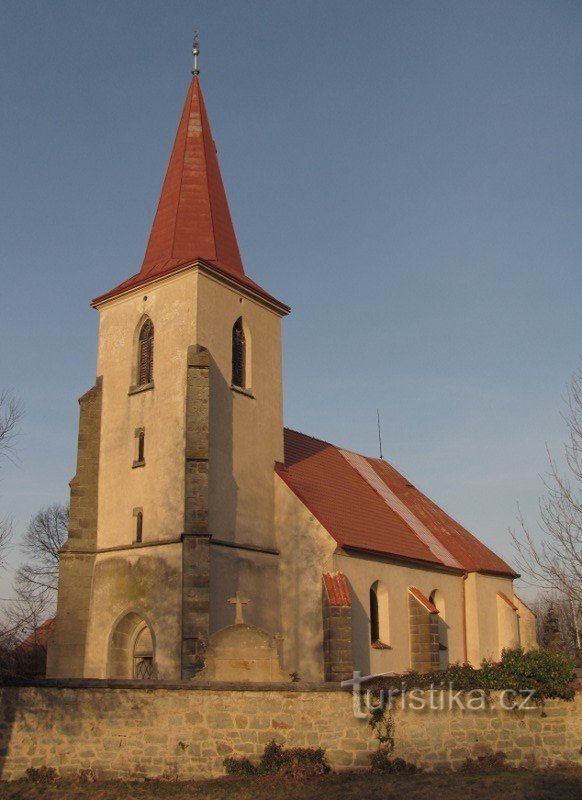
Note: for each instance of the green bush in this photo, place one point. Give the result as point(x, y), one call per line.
point(296, 763)
point(548, 672)
point(382, 762)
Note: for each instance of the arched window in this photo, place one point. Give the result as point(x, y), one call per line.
point(238, 354)
point(143, 655)
point(145, 354)
point(438, 601)
point(379, 615)
point(132, 649)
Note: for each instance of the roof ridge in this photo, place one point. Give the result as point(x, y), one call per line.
point(183, 161)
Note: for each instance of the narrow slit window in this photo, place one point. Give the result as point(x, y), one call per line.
point(145, 365)
point(141, 446)
point(238, 354)
point(139, 526)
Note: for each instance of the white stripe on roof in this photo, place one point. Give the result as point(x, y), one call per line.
point(369, 474)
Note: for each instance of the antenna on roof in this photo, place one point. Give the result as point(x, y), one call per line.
point(379, 433)
point(196, 53)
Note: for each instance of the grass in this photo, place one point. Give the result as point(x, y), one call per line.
point(551, 784)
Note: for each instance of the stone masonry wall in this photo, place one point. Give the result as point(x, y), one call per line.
point(424, 637)
point(66, 652)
point(186, 732)
point(337, 640)
point(196, 539)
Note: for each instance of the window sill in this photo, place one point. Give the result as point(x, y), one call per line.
point(137, 464)
point(144, 387)
point(380, 646)
point(240, 390)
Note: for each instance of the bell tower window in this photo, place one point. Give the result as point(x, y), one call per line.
point(145, 358)
point(238, 354)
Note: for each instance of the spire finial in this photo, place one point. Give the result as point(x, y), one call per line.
point(196, 52)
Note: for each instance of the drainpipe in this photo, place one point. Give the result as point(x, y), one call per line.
point(465, 654)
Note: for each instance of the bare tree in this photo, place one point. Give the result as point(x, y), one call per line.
point(44, 537)
point(22, 646)
point(555, 564)
point(10, 415)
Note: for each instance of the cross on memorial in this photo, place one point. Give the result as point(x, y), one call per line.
point(239, 602)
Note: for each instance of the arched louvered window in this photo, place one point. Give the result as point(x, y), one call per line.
point(145, 359)
point(238, 354)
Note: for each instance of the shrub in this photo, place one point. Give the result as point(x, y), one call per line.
point(273, 759)
point(300, 763)
point(88, 775)
point(41, 774)
point(296, 763)
point(491, 761)
point(548, 672)
point(241, 767)
point(382, 762)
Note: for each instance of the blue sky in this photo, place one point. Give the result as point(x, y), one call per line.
point(406, 175)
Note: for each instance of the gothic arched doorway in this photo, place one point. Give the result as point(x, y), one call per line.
point(132, 649)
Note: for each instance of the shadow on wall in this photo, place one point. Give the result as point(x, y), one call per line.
point(305, 554)
point(254, 574)
point(222, 487)
point(361, 635)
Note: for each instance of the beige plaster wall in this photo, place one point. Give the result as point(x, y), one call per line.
point(158, 487)
point(306, 551)
point(147, 581)
point(527, 625)
point(246, 432)
point(187, 733)
point(362, 571)
point(485, 638)
point(256, 576)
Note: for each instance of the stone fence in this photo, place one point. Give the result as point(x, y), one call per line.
point(128, 730)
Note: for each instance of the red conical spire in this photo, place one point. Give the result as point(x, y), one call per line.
point(192, 224)
point(192, 220)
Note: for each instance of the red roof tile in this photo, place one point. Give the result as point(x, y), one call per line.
point(428, 604)
point(39, 636)
point(192, 221)
point(506, 599)
point(358, 517)
point(336, 586)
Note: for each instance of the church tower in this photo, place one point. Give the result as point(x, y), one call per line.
point(172, 504)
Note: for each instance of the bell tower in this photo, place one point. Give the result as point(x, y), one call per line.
point(172, 505)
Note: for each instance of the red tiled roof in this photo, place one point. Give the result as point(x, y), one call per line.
point(192, 221)
point(506, 599)
point(39, 636)
point(336, 586)
point(428, 604)
point(359, 517)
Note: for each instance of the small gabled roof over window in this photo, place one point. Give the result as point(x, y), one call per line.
point(337, 589)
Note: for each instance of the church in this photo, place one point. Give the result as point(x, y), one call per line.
point(190, 496)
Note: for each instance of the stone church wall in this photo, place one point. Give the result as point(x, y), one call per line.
point(186, 732)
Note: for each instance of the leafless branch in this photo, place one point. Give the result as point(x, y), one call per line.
point(554, 563)
point(44, 537)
